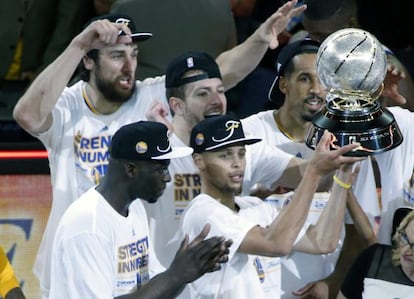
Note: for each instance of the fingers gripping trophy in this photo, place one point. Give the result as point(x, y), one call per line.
point(352, 65)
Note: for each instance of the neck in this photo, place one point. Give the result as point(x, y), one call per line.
point(290, 126)
point(225, 198)
point(182, 130)
point(96, 102)
point(115, 196)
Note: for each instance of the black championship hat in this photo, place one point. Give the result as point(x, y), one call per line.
point(285, 56)
point(321, 9)
point(145, 140)
point(192, 60)
point(124, 19)
point(215, 132)
point(399, 215)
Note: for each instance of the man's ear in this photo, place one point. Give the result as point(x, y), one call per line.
point(176, 105)
point(198, 160)
point(131, 169)
point(88, 62)
point(283, 85)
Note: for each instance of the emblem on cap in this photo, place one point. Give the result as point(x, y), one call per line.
point(199, 139)
point(123, 21)
point(190, 62)
point(141, 147)
point(230, 125)
point(168, 146)
point(279, 66)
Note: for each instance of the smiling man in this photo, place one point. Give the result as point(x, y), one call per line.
point(297, 84)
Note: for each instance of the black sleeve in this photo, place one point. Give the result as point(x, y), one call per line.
point(353, 284)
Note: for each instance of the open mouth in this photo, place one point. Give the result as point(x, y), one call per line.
point(213, 113)
point(236, 178)
point(125, 82)
point(314, 104)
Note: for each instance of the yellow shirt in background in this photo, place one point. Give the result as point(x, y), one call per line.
point(13, 72)
point(7, 279)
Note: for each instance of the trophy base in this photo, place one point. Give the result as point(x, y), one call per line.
point(373, 127)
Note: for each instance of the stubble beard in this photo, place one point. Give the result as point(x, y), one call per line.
point(307, 117)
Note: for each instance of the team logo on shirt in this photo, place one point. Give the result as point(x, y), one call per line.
point(91, 157)
point(141, 147)
point(259, 269)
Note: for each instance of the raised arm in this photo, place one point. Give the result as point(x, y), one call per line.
point(237, 63)
point(33, 111)
point(358, 236)
point(278, 238)
point(295, 170)
point(323, 237)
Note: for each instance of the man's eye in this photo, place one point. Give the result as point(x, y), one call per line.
point(202, 94)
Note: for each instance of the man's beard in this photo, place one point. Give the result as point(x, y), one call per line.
point(309, 115)
point(110, 92)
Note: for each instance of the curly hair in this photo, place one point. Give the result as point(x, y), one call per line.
point(396, 250)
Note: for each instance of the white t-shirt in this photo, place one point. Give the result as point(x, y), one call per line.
point(396, 167)
point(300, 268)
point(374, 289)
point(264, 164)
point(77, 145)
point(99, 253)
point(244, 276)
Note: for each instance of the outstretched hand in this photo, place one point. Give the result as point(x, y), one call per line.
point(325, 160)
point(393, 76)
point(277, 22)
point(200, 256)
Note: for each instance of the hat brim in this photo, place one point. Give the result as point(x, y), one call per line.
point(273, 89)
point(399, 215)
point(275, 95)
point(230, 142)
point(139, 37)
point(176, 152)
